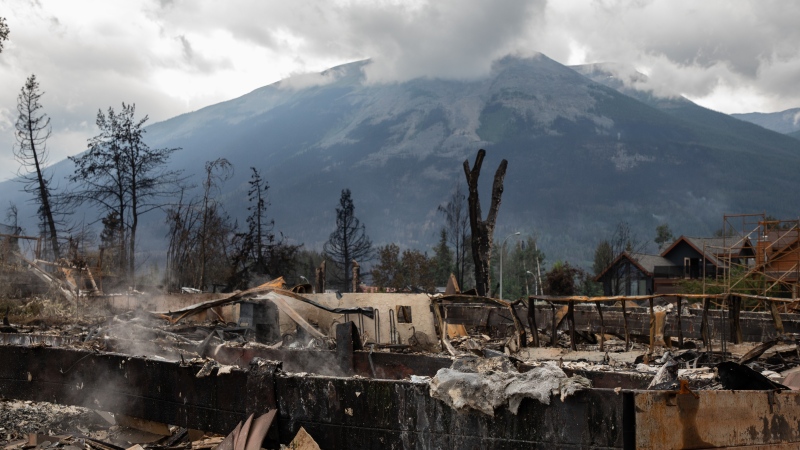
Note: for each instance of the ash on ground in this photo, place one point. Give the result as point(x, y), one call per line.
point(20, 418)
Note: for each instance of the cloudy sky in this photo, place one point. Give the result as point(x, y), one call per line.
point(176, 56)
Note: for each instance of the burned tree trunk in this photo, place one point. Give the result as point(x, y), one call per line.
point(483, 230)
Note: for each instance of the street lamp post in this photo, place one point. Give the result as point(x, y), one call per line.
point(528, 272)
point(502, 247)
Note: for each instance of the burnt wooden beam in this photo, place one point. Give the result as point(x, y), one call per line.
point(319, 278)
point(756, 326)
point(571, 319)
point(532, 323)
point(736, 325)
point(627, 331)
point(554, 328)
point(704, 324)
point(680, 325)
point(602, 326)
point(652, 327)
point(776, 317)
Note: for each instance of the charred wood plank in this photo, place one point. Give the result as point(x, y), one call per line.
point(736, 325)
point(776, 318)
point(602, 326)
point(532, 323)
point(704, 324)
point(571, 319)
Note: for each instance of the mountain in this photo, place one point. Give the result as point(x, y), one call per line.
point(785, 122)
point(582, 156)
point(720, 127)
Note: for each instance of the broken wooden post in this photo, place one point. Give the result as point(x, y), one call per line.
point(483, 230)
point(347, 341)
point(437, 313)
point(652, 327)
point(553, 334)
point(319, 279)
point(704, 324)
point(571, 319)
point(602, 327)
point(776, 317)
point(532, 321)
point(356, 276)
point(680, 325)
point(733, 316)
point(521, 337)
point(625, 322)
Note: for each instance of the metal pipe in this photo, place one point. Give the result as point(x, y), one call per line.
point(377, 319)
point(392, 328)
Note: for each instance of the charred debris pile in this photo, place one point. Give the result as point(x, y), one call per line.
point(474, 355)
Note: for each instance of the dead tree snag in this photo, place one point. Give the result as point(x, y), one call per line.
point(483, 230)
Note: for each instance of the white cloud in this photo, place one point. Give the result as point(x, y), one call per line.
point(173, 56)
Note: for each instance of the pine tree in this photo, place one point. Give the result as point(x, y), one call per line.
point(259, 228)
point(442, 260)
point(349, 241)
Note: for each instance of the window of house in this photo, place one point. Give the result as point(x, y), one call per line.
point(403, 314)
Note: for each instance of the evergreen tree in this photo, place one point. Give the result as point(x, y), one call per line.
point(259, 228)
point(348, 242)
point(663, 235)
point(442, 260)
point(603, 256)
point(387, 273)
point(456, 214)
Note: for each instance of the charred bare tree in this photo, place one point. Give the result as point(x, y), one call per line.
point(32, 131)
point(212, 223)
point(483, 230)
point(121, 174)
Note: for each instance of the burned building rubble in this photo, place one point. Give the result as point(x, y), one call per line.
point(266, 366)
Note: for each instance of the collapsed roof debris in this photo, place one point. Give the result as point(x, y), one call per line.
point(397, 367)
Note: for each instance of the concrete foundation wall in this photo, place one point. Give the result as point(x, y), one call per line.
point(362, 413)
